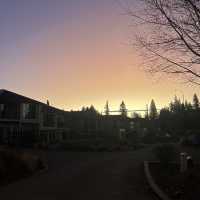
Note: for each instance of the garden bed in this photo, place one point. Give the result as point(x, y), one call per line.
point(184, 186)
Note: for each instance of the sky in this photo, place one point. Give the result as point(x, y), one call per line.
point(77, 53)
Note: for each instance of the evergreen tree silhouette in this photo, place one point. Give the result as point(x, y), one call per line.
point(195, 102)
point(176, 106)
point(136, 115)
point(153, 114)
point(107, 110)
point(123, 109)
point(83, 109)
point(188, 106)
point(146, 115)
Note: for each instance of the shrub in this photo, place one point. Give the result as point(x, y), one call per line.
point(165, 153)
point(16, 165)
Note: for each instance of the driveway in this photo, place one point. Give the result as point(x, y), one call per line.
point(95, 176)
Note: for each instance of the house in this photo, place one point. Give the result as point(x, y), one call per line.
point(27, 121)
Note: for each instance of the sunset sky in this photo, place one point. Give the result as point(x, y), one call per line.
point(77, 53)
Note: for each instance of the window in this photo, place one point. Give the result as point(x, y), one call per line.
point(60, 121)
point(29, 111)
point(48, 117)
point(2, 110)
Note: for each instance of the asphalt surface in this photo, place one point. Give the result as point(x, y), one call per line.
point(87, 176)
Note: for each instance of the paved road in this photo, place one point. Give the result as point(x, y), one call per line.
point(87, 176)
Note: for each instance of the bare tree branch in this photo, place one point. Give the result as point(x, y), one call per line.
point(171, 40)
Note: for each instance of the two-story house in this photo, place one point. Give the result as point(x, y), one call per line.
point(26, 121)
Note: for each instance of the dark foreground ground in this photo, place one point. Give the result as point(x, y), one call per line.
point(87, 176)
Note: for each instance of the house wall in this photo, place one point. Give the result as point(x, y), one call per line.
point(27, 122)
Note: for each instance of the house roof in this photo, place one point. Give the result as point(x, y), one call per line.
point(11, 97)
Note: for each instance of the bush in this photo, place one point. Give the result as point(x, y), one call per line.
point(165, 153)
point(16, 165)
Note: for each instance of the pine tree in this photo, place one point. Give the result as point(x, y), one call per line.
point(146, 115)
point(188, 105)
point(176, 105)
point(123, 109)
point(83, 109)
point(195, 102)
point(153, 114)
point(107, 110)
point(92, 109)
point(136, 115)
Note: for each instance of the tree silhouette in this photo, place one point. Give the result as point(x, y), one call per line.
point(171, 40)
point(176, 106)
point(188, 106)
point(123, 109)
point(153, 114)
point(92, 110)
point(136, 115)
point(165, 119)
point(195, 102)
point(146, 115)
point(181, 117)
point(83, 109)
point(107, 110)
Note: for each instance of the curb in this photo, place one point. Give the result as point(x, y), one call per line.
point(156, 189)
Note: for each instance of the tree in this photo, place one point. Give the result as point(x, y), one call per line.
point(167, 33)
point(107, 110)
point(83, 109)
point(153, 114)
point(89, 110)
point(165, 119)
point(146, 115)
point(136, 115)
point(123, 109)
point(176, 105)
point(92, 110)
point(188, 106)
point(195, 102)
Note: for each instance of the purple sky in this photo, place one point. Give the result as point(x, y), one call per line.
point(75, 53)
